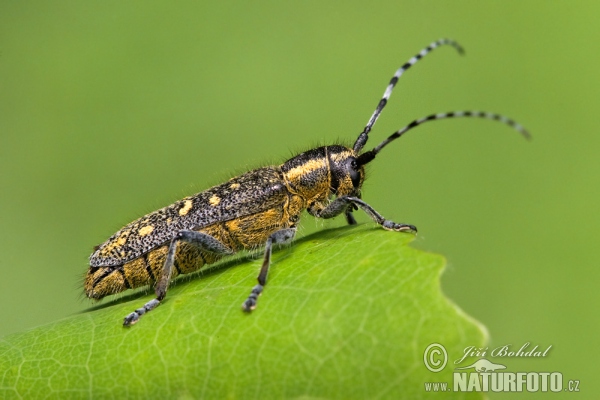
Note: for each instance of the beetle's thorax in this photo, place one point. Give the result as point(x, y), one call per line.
point(323, 172)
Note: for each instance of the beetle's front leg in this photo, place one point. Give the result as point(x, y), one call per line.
point(281, 236)
point(342, 204)
point(202, 241)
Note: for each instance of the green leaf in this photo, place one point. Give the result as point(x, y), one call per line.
point(347, 313)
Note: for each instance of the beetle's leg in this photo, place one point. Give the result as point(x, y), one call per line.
point(343, 203)
point(202, 241)
point(348, 213)
point(349, 217)
point(281, 236)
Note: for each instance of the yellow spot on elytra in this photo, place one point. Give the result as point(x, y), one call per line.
point(169, 220)
point(214, 200)
point(121, 240)
point(146, 230)
point(235, 186)
point(187, 206)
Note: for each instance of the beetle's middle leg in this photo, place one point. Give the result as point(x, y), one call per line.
point(344, 203)
point(281, 236)
point(348, 213)
point(202, 241)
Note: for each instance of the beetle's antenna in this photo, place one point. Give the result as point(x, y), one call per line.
point(364, 136)
point(370, 155)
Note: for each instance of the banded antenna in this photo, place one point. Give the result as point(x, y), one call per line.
point(370, 155)
point(364, 135)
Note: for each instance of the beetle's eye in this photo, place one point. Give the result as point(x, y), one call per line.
point(354, 173)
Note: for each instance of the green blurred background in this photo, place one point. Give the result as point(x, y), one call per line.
point(109, 110)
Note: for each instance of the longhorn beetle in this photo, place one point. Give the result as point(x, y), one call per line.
point(260, 207)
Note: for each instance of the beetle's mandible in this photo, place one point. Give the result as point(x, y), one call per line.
point(259, 208)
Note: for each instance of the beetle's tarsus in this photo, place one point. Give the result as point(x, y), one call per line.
point(392, 226)
point(131, 319)
point(135, 316)
point(250, 303)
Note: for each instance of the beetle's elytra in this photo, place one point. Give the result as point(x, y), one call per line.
point(259, 208)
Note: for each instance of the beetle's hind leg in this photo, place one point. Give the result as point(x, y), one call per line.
point(281, 236)
point(345, 203)
point(202, 241)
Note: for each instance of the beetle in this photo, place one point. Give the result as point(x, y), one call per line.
point(259, 208)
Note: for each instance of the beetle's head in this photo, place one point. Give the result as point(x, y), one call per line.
point(347, 174)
